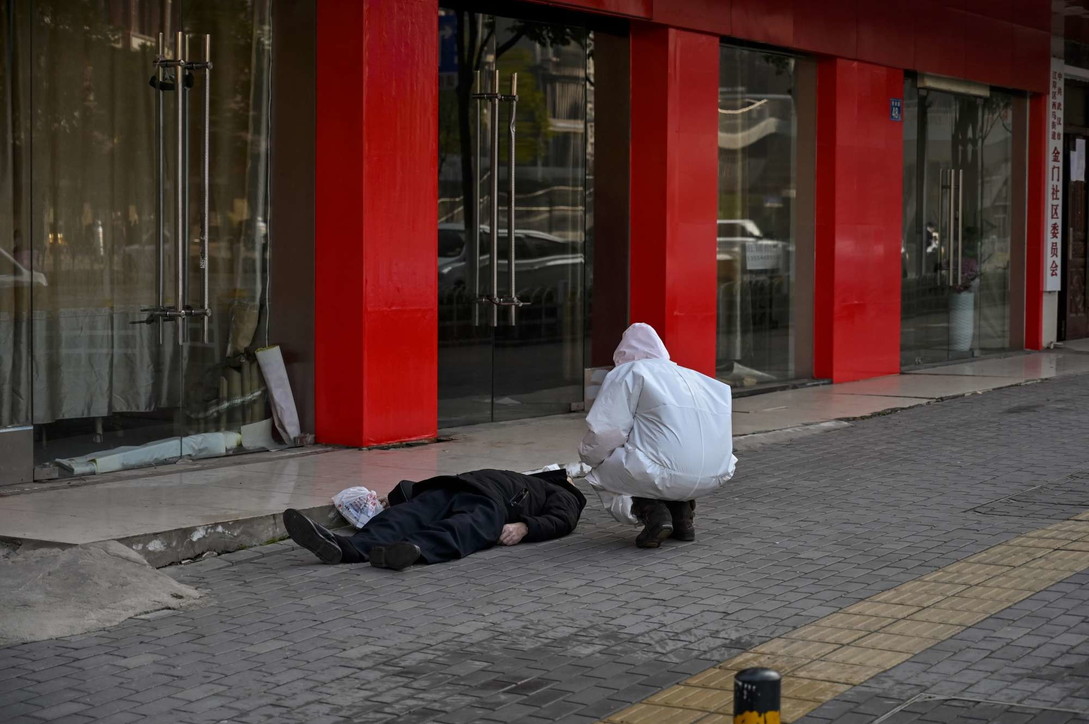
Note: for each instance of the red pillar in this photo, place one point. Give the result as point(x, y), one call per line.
point(859, 203)
point(674, 189)
point(1037, 208)
point(377, 153)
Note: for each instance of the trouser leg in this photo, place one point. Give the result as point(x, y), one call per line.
point(396, 523)
point(470, 523)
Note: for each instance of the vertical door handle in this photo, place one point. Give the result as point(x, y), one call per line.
point(180, 84)
point(513, 100)
point(472, 266)
point(491, 97)
point(493, 167)
point(941, 223)
point(180, 228)
point(160, 167)
point(960, 225)
point(205, 191)
point(945, 228)
point(951, 229)
point(494, 98)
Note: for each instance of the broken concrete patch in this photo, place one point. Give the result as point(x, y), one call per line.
point(50, 592)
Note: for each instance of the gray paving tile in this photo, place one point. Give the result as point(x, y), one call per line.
point(580, 627)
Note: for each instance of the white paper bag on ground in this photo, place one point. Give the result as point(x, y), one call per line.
point(279, 392)
point(357, 505)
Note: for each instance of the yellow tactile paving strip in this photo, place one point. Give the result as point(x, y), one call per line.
point(823, 659)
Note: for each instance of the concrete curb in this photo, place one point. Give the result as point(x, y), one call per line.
point(174, 546)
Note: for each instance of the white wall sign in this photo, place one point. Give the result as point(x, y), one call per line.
point(1053, 219)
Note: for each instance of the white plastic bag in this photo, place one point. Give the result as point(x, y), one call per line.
point(357, 505)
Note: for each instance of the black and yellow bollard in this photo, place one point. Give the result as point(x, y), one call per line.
point(756, 696)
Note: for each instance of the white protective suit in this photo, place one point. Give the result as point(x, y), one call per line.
point(656, 430)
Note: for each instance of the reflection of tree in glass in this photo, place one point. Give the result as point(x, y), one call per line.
point(996, 109)
point(476, 36)
point(974, 120)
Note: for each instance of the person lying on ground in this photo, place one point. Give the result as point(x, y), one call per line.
point(659, 436)
point(450, 516)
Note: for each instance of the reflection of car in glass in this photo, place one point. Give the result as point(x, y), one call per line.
point(541, 260)
point(741, 239)
point(12, 273)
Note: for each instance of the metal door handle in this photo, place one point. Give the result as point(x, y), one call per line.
point(493, 97)
point(941, 214)
point(493, 220)
point(205, 191)
point(951, 227)
point(160, 163)
point(181, 230)
point(182, 81)
point(511, 302)
point(473, 265)
point(960, 225)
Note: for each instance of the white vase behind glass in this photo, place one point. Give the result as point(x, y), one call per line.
point(962, 306)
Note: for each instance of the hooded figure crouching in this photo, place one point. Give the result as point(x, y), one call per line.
point(659, 437)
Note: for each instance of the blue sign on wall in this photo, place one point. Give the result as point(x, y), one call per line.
point(448, 44)
point(896, 109)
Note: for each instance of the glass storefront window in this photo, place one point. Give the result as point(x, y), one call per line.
point(103, 233)
point(756, 191)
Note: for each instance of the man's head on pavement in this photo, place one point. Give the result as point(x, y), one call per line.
point(640, 341)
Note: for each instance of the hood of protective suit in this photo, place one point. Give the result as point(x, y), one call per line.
point(640, 341)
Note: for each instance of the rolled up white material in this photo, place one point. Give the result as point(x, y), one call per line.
point(127, 457)
point(281, 399)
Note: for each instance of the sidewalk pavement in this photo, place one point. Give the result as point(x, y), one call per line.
point(927, 566)
point(186, 510)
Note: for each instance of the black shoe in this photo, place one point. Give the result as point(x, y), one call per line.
point(395, 556)
point(313, 537)
point(658, 525)
point(682, 513)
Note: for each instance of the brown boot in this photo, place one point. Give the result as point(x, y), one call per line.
point(657, 522)
point(682, 512)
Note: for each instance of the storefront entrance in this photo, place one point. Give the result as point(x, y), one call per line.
point(958, 165)
point(133, 175)
point(511, 341)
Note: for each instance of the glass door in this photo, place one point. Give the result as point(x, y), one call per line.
point(514, 125)
point(956, 253)
point(143, 129)
point(757, 121)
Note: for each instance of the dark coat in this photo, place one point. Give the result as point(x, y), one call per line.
point(548, 504)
